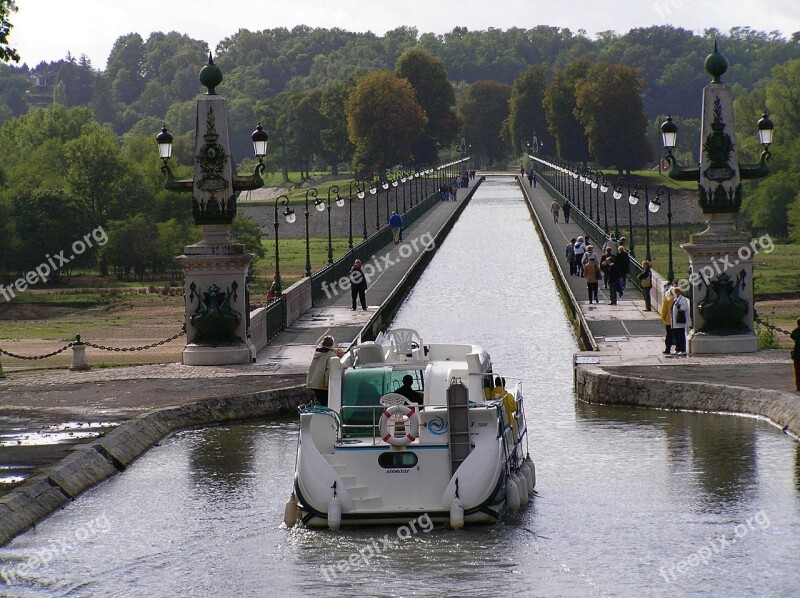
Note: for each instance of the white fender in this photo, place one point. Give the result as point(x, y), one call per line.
point(291, 513)
point(526, 473)
point(522, 484)
point(456, 514)
point(334, 513)
point(532, 467)
point(512, 494)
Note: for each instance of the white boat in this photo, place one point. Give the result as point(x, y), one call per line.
point(375, 456)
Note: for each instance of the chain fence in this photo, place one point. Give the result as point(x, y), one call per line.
point(772, 327)
point(78, 341)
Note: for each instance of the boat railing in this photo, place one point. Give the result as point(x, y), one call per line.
point(354, 424)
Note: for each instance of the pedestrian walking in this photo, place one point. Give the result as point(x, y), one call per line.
point(593, 275)
point(319, 370)
point(580, 249)
point(358, 286)
point(530, 179)
point(396, 224)
point(646, 282)
point(666, 317)
point(613, 276)
point(590, 255)
point(567, 210)
point(623, 262)
point(795, 336)
point(604, 264)
point(534, 180)
point(555, 208)
point(680, 321)
point(571, 256)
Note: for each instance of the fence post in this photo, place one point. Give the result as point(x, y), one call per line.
point(2, 373)
point(79, 362)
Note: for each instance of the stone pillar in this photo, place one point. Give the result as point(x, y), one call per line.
point(215, 270)
point(720, 257)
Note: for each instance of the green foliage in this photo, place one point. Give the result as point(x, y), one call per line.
point(485, 110)
point(383, 120)
point(526, 110)
point(766, 336)
point(435, 95)
point(6, 52)
point(608, 103)
point(559, 105)
point(247, 231)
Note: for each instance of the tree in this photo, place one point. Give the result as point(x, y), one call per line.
point(526, 109)
point(334, 133)
point(6, 52)
point(308, 138)
point(47, 222)
point(247, 231)
point(95, 170)
point(608, 103)
point(435, 95)
point(125, 70)
point(485, 109)
point(559, 105)
point(383, 120)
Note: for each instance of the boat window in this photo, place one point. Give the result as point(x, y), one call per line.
point(396, 380)
point(361, 394)
point(397, 460)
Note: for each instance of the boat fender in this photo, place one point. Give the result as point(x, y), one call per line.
point(522, 484)
point(335, 513)
point(456, 514)
point(532, 467)
point(512, 494)
point(291, 512)
point(526, 473)
point(413, 423)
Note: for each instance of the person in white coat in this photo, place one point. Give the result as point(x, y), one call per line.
point(681, 318)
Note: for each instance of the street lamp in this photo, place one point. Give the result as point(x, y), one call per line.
point(617, 195)
point(604, 190)
point(339, 202)
point(654, 206)
point(385, 187)
point(373, 190)
point(289, 214)
point(311, 193)
point(633, 199)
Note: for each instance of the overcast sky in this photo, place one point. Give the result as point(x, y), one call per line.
point(48, 29)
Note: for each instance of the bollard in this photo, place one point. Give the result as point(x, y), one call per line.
point(79, 362)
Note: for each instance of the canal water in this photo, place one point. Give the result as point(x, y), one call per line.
point(630, 502)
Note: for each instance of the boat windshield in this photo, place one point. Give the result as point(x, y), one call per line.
point(364, 387)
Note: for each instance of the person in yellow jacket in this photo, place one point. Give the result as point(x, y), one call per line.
point(499, 393)
point(666, 316)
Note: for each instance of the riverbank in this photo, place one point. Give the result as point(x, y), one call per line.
point(624, 363)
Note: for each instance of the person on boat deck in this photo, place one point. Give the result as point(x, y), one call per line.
point(500, 393)
point(408, 392)
point(318, 371)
